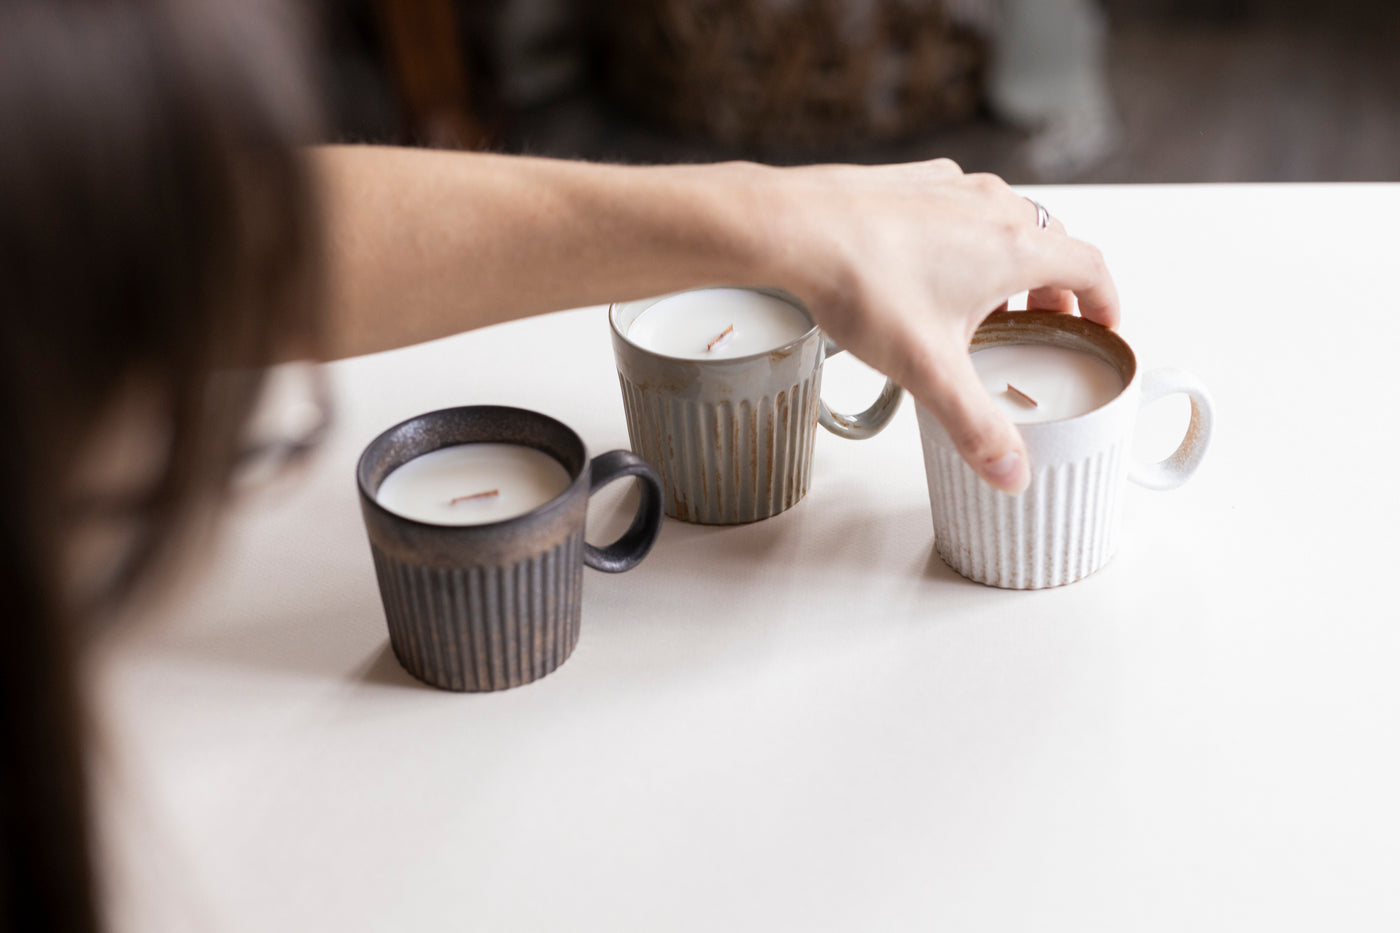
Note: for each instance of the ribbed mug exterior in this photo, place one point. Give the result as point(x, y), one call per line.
point(725, 461)
point(1066, 525)
point(497, 605)
point(484, 628)
point(731, 438)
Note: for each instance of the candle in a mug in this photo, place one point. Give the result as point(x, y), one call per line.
point(717, 323)
point(472, 484)
point(1033, 382)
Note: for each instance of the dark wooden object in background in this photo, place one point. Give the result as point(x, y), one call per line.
point(745, 73)
point(1252, 101)
point(1208, 90)
point(426, 64)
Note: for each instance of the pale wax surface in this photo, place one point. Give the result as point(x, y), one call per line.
point(685, 325)
point(424, 488)
point(1065, 383)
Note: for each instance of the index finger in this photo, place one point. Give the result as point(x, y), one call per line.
point(1064, 262)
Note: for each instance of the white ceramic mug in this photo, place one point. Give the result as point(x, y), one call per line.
point(732, 437)
point(1066, 524)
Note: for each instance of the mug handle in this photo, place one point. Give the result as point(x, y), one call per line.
point(627, 551)
point(1178, 467)
point(867, 423)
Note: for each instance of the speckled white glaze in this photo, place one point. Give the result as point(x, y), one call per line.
point(1066, 525)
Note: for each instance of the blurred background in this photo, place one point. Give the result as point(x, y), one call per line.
point(1034, 90)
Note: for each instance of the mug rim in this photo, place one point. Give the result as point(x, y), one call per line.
point(772, 291)
point(547, 509)
point(1082, 330)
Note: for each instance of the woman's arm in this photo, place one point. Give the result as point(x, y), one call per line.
point(424, 244)
point(898, 263)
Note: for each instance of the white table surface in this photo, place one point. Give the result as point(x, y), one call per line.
point(810, 723)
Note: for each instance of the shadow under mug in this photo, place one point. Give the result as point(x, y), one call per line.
point(732, 437)
point(1066, 524)
point(497, 605)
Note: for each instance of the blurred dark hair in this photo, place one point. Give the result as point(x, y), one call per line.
point(156, 227)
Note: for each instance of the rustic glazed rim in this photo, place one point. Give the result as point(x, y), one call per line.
point(579, 475)
point(772, 292)
point(1069, 331)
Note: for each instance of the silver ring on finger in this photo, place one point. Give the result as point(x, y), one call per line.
point(1042, 216)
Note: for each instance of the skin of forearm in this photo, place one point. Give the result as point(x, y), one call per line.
point(422, 244)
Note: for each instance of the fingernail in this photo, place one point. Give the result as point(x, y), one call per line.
point(1008, 473)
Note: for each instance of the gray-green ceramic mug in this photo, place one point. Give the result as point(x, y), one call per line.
point(732, 438)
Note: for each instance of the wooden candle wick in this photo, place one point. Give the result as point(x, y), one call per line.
point(1023, 396)
point(724, 333)
point(476, 495)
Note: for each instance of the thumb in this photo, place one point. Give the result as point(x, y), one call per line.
point(985, 437)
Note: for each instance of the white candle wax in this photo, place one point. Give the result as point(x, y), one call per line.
point(425, 487)
point(695, 325)
point(1064, 383)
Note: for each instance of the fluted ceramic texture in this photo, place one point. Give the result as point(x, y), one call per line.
point(726, 462)
point(1061, 529)
point(484, 628)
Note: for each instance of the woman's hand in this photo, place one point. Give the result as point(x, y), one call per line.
point(900, 263)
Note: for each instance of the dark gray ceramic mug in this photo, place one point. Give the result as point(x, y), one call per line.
point(486, 607)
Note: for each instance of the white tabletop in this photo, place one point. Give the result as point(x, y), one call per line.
point(810, 723)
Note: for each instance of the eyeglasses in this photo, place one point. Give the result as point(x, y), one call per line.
point(113, 531)
point(291, 418)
